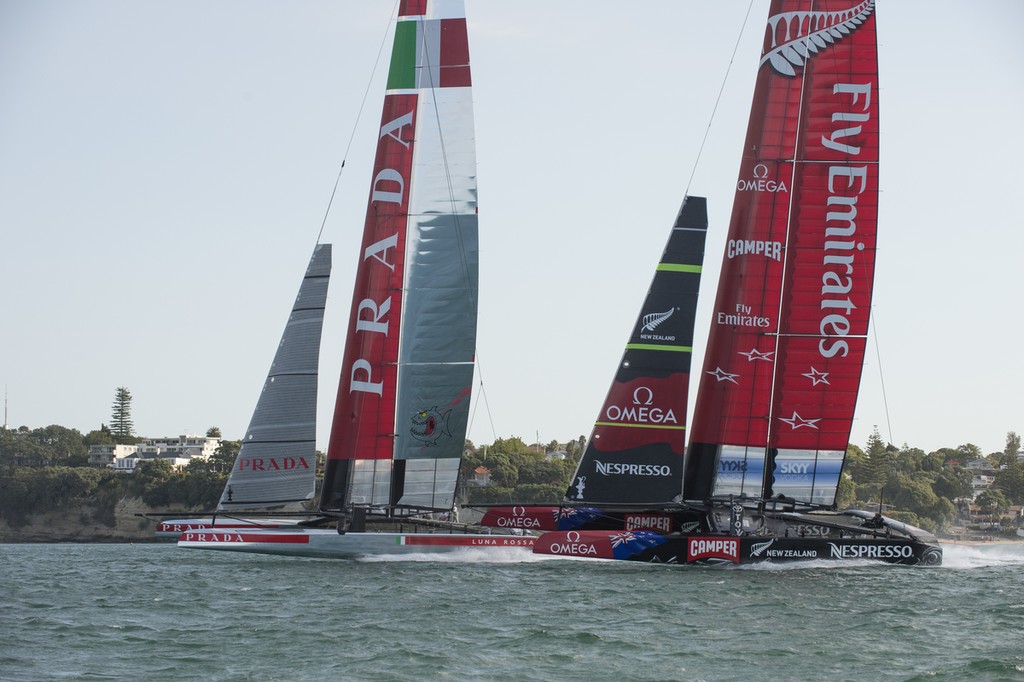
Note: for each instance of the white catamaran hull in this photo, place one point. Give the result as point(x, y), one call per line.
point(173, 528)
point(327, 543)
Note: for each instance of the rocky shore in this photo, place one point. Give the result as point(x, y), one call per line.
point(80, 525)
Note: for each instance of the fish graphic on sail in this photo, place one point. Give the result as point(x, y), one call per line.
point(412, 330)
point(402, 406)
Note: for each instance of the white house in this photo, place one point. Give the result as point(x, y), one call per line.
point(106, 454)
point(983, 474)
point(180, 450)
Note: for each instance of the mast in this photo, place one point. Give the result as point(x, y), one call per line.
point(786, 347)
point(403, 399)
point(635, 452)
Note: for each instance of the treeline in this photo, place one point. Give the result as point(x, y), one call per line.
point(519, 473)
point(47, 468)
point(95, 492)
point(922, 488)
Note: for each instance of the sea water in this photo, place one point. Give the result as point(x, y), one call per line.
point(156, 612)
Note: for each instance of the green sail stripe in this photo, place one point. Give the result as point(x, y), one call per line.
point(641, 426)
point(678, 267)
point(402, 73)
point(654, 346)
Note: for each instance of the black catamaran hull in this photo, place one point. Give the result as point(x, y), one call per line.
point(726, 550)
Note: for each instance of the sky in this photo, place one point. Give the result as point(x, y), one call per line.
point(165, 168)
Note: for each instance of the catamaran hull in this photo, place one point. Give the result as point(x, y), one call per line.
point(173, 528)
point(330, 544)
point(725, 550)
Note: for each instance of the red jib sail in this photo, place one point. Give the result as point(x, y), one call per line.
point(784, 356)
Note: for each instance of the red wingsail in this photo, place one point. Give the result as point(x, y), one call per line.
point(786, 347)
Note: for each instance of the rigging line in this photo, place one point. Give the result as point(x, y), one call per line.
point(483, 396)
point(714, 109)
point(881, 378)
point(359, 116)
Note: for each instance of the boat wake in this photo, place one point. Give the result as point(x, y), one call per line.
point(816, 564)
point(489, 555)
point(982, 555)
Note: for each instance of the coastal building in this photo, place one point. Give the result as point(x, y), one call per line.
point(180, 450)
point(482, 476)
point(106, 454)
point(982, 475)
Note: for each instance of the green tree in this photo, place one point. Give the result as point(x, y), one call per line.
point(1012, 449)
point(66, 446)
point(544, 472)
point(223, 458)
point(993, 502)
point(1011, 482)
point(213, 432)
point(121, 425)
point(52, 445)
point(952, 482)
point(18, 449)
point(100, 436)
point(875, 468)
point(509, 446)
point(846, 493)
point(968, 452)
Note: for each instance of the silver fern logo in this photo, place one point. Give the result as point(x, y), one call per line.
point(758, 548)
point(808, 32)
point(652, 320)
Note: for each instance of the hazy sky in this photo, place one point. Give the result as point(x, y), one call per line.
point(165, 167)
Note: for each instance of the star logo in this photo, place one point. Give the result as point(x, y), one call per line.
point(755, 354)
point(796, 421)
point(817, 377)
point(721, 375)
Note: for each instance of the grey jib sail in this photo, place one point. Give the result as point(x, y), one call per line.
point(276, 464)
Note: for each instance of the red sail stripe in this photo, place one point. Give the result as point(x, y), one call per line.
point(364, 417)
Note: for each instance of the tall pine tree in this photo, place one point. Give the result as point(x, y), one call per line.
point(121, 418)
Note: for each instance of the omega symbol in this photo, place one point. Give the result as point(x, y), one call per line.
point(637, 394)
